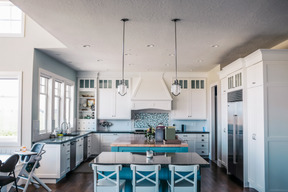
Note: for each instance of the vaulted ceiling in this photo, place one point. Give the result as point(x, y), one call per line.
point(210, 32)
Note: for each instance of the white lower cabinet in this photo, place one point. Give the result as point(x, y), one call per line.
point(196, 142)
point(95, 143)
point(190, 139)
point(65, 158)
point(107, 139)
point(79, 150)
point(55, 163)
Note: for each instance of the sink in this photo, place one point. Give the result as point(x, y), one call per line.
point(71, 134)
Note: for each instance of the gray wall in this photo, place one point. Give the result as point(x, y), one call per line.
point(41, 60)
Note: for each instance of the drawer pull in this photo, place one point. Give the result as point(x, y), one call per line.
point(253, 83)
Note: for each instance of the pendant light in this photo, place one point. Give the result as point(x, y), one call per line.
point(175, 88)
point(122, 87)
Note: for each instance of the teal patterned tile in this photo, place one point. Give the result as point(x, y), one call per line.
point(143, 119)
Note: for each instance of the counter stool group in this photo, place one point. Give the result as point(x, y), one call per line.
point(145, 178)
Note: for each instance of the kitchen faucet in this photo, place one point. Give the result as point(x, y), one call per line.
point(65, 128)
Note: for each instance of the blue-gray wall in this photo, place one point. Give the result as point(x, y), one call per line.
point(43, 61)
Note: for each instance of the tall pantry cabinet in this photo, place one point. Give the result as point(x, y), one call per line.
point(267, 119)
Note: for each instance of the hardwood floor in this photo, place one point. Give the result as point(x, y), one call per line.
point(213, 179)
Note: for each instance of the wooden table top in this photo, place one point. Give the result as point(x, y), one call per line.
point(138, 140)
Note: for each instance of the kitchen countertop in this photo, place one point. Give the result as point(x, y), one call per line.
point(60, 140)
point(140, 141)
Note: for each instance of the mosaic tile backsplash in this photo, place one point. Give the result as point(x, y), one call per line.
point(141, 120)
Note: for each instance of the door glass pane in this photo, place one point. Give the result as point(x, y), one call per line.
point(81, 83)
point(117, 83)
point(185, 84)
point(202, 84)
point(193, 84)
point(105, 83)
point(197, 84)
point(181, 83)
point(91, 83)
point(100, 83)
point(240, 79)
point(109, 84)
point(127, 83)
point(87, 83)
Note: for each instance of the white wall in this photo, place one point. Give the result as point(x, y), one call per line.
point(213, 80)
point(17, 55)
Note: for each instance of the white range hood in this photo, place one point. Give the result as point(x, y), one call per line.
point(151, 93)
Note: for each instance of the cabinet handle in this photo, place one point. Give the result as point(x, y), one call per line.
point(254, 136)
point(253, 83)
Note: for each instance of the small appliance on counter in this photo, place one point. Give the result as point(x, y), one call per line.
point(170, 133)
point(159, 133)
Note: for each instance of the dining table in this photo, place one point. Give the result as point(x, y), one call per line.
point(164, 159)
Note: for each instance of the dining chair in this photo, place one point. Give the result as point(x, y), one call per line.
point(9, 167)
point(145, 178)
point(183, 178)
point(109, 180)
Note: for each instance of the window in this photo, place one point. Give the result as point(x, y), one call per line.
point(55, 107)
point(11, 20)
point(57, 103)
point(43, 104)
point(10, 110)
point(69, 105)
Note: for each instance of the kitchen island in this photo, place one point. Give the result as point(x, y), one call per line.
point(164, 159)
point(138, 143)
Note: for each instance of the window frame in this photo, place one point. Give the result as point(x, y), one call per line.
point(18, 75)
point(51, 106)
point(47, 104)
point(22, 33)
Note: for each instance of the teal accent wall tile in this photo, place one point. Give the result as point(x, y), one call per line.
point(141, 120)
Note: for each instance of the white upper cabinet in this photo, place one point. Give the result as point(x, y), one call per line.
point(191, 103)
point(111, 105)
point(87, 104)
point(255, 75)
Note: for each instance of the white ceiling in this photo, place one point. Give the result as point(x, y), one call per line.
point(239, 27)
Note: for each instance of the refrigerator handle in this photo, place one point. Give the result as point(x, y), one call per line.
point(234, 140)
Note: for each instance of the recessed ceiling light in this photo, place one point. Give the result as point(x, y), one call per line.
point(200, 61)
point(215, 46)
point(86, 46)
point(150, 45)
point(171, 54)
point(167, 64)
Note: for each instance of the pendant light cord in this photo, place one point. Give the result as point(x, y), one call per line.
point(176, 49)
point(123, 52)
point(175, 20)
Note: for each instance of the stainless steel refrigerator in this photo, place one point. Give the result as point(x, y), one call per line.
point(235, 134)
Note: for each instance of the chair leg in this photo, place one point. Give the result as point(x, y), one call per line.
point(16, 185)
